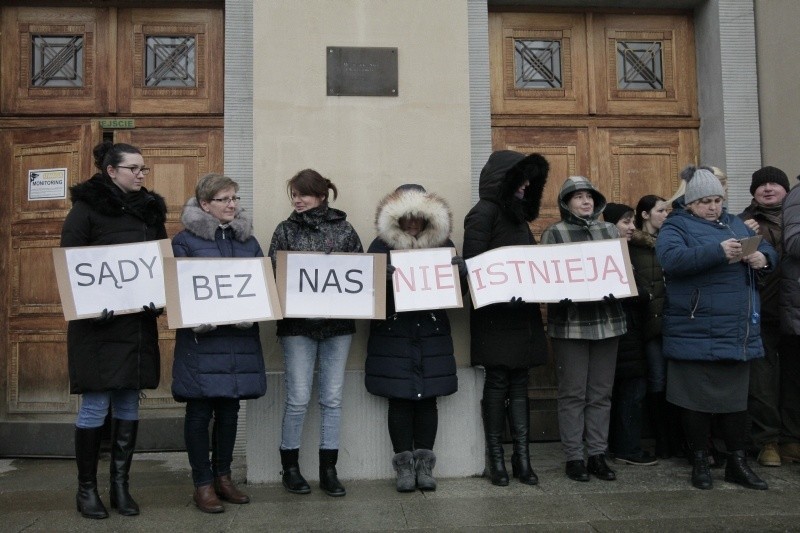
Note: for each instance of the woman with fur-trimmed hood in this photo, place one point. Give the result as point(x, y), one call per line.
point(506, 338)
point(410, 354)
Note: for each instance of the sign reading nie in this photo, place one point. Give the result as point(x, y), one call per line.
point(221, 290)
point(121, 277)
point(584, 271)
point(425, 279)
point(336, 285)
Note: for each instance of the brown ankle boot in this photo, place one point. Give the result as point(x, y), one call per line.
point(226, 490)
point(205, 499)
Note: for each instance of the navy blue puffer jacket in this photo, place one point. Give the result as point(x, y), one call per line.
point(226, 362)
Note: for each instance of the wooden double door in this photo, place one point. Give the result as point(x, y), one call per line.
point(609, 96)
point(72, 77)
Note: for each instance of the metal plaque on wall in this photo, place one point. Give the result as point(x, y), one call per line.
point(360, 71)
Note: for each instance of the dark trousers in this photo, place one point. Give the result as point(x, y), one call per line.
point(697, 427)
point(225, 412)
point(625, 430)
point(413, 424)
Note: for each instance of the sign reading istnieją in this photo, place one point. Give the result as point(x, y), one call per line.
point(584, 271)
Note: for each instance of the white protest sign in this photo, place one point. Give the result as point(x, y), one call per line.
point(219, 290)
point(584, 271)
point(425, 279)
point(336, 285)
point(121, 277)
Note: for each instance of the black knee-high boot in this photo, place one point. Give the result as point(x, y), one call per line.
point(494, 423)
point(519, 423)
point(123, 442)
point(87, 451)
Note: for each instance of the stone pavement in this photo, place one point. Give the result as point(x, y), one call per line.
point(39, 495)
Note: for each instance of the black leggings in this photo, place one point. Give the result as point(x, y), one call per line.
point(697, 427)
point(413, 424)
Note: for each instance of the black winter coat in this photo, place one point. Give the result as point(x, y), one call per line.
point(410, 354)
point(631, 358)
point(649, 282)
point(123, 353)
point(501, 334)
point(226, 362)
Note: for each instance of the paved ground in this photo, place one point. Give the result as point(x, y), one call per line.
point(39, 495)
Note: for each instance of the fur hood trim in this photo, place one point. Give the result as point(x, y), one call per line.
point(205, 225)
point(643, 239)
point(396, 205)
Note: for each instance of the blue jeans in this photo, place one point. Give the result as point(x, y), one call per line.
point(299, 355)
point(625, 431)
point(223, 437)
point(656, 366)
point(94, 407)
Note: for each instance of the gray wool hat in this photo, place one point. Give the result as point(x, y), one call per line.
point(701, 183)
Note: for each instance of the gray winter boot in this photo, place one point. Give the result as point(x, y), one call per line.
point(424, 461)
point(403, 464)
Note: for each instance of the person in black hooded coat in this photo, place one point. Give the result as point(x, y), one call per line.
point(506, 338)
point(111, 358)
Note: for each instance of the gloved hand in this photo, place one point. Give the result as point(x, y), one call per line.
point(204, 328)
point(610, 298)
point(243, 325)
point(390, 271)
point(461, 264)
point(104, 318)
point(516, 302)
point(566, 302)
point(151, 310)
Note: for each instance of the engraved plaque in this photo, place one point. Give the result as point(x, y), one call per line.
point(359, 71)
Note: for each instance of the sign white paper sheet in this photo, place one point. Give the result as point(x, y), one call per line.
point(425, 279)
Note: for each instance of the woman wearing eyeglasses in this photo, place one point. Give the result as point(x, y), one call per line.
point(215, 366)
point(111, 358)
point(313, 226)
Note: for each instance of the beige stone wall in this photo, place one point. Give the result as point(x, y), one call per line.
point(366, 145)
point(778, 43)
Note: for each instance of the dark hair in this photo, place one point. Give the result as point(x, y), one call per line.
point(309, 182)
point(646, 203)
point(107, 153)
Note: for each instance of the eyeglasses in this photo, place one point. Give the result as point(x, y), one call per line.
point(135, 169)
point(227, 199)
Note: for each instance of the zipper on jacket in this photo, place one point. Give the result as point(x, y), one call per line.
point(695, 302)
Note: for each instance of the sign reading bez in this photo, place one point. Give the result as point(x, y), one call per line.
point(584, 271)
point(121, 278)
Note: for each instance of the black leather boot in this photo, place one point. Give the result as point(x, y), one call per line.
point(519, 411)
point(328, 480)
point(738, 471)
point(494, 418)
point(701, 473)
point(123, 442)
point(596, 465)
point(291, 477)
point(87, 450)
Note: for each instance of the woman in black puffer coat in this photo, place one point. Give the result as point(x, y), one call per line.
point(111, 358)
point(410, 354)
point(215, 366)
point(506, 338)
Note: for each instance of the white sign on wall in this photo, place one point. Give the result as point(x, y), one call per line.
point(336, 285)
point(47, 184)
point(584, 271)
point(425, 279)
point(121, 278)
point(219, 291)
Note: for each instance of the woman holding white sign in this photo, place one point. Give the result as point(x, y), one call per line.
point(410, 355)
point(111, 358)
point(506, 338)
point(215, 366)
point(313, 226)
point(584, 337)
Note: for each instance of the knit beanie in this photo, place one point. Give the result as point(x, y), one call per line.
point(701, 182)
point(769, 175)
point(614, 212)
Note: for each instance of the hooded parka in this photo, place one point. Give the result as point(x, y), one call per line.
point(122, 353)
point(410, 354)
point(226, 362)
point(503, 334)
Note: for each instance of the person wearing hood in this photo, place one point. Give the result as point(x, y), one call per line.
point(507, 339)
point(410, 354)
point(215, 366)
point(112, 358)
point(584, 337)
point(711, 327)
point(313, 226)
